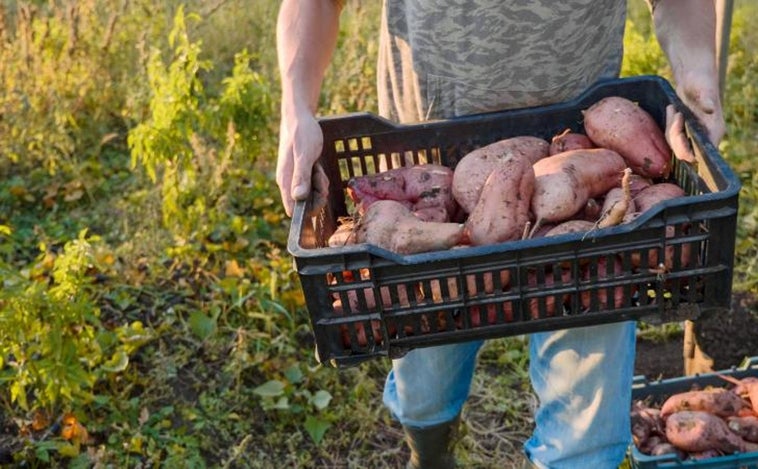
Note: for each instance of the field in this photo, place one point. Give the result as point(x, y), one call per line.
point(150, 315)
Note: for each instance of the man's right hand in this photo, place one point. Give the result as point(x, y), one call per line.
point(297, 174)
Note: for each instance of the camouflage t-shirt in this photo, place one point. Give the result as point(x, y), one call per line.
point(445, 58)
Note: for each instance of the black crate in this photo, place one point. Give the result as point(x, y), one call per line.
point(657, 391)
point(439, 297)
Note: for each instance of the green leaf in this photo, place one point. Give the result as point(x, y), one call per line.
point(282, 404)
point(118, 362)
point(294, 374)
point(271, 388)
point(316, 428)
point(321, 399)
point(201, 325)
point(68, 450)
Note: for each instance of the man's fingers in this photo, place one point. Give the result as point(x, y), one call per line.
point(283, 172)
point(320, 185)
point(676, 135)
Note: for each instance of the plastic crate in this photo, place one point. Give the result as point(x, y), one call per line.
point(657, 391)
point(439, 297)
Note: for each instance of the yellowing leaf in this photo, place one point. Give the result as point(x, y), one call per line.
point(118, 362)
point(68, 450)
point(73, 431)
point(233, 269)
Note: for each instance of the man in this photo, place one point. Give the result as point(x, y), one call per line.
point(446, 58)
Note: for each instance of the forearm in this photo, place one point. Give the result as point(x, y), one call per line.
point(686, 31)
point(306, 37)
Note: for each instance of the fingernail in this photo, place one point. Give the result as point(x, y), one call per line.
point(709, 105)
point(300, 192)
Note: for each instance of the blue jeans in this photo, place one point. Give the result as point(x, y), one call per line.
point(582, 377)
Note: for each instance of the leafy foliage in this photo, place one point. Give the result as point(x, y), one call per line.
point(192, 139)
point(52, 345)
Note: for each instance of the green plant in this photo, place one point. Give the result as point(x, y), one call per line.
point(289, 393)
point(53, 348)
point(192, 138)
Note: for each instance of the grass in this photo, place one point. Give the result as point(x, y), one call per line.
point(201, 354)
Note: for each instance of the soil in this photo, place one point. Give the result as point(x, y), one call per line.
point(726, 338)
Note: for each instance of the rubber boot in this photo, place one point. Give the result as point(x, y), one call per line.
point(432, 447)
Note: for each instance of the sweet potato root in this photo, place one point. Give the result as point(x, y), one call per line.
point(503, 207)
point(621, 125)
point(391, 225)
point(717, 401)
point(474, 168)
point(618, 202)
point(564, 182)
point(697, 431)
point(568, 140)
point(571, 226)
point(648, 197)
point(746, 427)
point(417, 187)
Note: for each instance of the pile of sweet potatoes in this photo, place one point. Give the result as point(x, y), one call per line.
point(516, 188)
point(701, 423)
point(519, 187)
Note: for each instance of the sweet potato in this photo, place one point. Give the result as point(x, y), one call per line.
point(621, 125)
point(698, 431)
point(568, 140)
point(550, 305)
point(600, 299)
point(391, 225)
point(503, 207)
point(416, 187)
point(637, 183)
point(747, 388)
point(478, 286)
point(357, 329)
point(646, 200)
point(474, 168)
point(564, 182)
point(571, 226)
point(538, 307)
point(646, 422)
point(746, 427)
point(648, 197)
point(717, 401)
point(343, 235)
point(665, 448)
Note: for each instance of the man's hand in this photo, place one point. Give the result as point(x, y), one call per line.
point(306, 35)
point(686, 32)
point(701, 95)
point(297, 174)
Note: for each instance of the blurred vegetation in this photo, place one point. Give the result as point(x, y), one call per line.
point(149, 312)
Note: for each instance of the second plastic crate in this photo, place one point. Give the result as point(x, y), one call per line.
point(658, 391)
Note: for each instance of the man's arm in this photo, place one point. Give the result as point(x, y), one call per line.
point(686, 31)
point(306, 36)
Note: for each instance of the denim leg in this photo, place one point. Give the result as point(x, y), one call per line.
point(429, 386)
point(583, 379)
